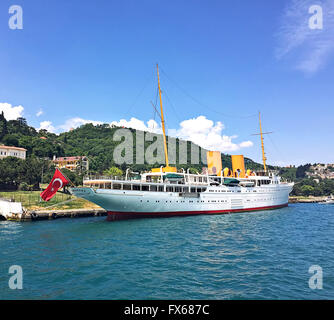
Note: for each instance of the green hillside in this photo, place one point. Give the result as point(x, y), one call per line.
point(95, 142)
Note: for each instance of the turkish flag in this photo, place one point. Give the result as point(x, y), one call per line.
point(58, 181)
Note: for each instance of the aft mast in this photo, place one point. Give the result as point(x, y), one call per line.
point(262, 146)
point(163, 121)
point(264, 158)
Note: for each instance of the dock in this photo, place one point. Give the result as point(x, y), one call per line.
point(55, 214)
point(311, 199)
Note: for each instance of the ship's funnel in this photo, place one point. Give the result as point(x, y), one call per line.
point(238, 166)
point(214, 162)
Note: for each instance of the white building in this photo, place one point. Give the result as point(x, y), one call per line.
point(6, 151)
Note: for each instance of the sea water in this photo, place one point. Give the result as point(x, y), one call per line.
point(259, 255)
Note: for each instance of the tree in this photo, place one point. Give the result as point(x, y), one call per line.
point(307, 190)
point(113, 171)
point(14, 172)
point(301, 170)
point(11, 140)
point(3, 126)
point(22, 121)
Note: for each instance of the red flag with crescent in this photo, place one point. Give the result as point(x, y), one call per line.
point(58, 181)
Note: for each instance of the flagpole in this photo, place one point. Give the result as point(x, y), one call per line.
point(66, 177)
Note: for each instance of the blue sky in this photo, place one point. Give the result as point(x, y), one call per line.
point(221, 62)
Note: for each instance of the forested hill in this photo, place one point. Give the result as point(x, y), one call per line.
point(95, 142)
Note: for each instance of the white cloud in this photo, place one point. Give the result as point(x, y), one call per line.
point(312, 47)
point(150, 126)
point(39, 113)
point(47, 125)
point(75, 123)
point(11, 112)
point(246, 144)
point(200, 130)
point(208, 135)
point(67, 126)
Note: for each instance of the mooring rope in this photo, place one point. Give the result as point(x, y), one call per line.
point(60, 203)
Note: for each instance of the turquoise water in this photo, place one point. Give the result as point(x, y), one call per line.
point(261, 255)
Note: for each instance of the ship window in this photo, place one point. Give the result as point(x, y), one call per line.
point(178, 189)
point(199, 189)
point(169, 189)
point(154, 188)
point(126, 187)
point(116, 186)
point(192, 189)
point(135, 187)
point(145, 188)
point(161, 188)
point(108, 185)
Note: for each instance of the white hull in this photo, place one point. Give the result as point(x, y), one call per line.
point(216, 199)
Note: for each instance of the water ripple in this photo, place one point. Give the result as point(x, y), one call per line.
point(263, 255)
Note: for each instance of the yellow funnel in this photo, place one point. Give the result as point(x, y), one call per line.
point(238, 166)
point(214, 162)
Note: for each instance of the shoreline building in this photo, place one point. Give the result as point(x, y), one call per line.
point(9, 151)
point(72, 163)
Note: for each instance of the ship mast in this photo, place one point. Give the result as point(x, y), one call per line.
point(163, 121)
point(262, 146)
point(264, 158)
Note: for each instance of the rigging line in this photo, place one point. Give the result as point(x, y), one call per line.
point(139, 94)
point(156, 97)
point(170, 102)
point(281, 154)
point(203, 105)
point(155, 111)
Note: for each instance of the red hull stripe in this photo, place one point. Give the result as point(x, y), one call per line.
point(117, 215)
